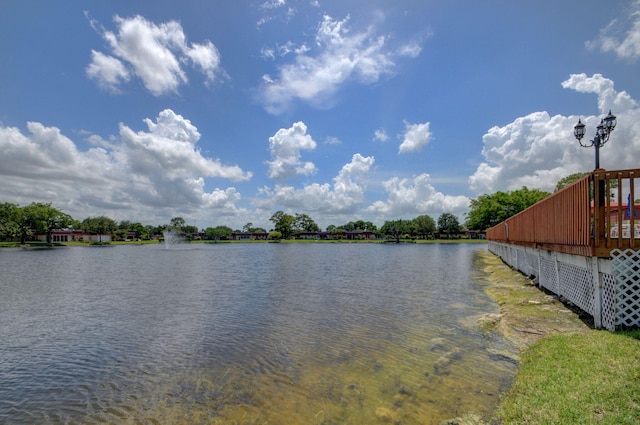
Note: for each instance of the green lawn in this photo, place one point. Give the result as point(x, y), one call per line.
point(588, 378)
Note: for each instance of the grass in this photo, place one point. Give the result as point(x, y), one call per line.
point(29, 244)
point(9, 244)
point(569, 372)
point(585, 378)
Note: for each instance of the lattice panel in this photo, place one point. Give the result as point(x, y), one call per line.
point(513, 256)
point(608, 302)
point(620, 290)
point(516, 257)
point(497, 249)
point(625, 266)
point(548, 274)
point(577, 286)
point(532, 264)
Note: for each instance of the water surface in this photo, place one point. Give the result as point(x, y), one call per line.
point(246, 334)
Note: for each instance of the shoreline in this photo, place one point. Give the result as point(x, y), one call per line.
point(527, 313)
point(560, 349)
point(569, 372)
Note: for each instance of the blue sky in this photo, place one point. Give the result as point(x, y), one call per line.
point(225, 112)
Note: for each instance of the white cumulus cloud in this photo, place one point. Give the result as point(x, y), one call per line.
point(169, 147)
point(153, 173)
point(537, 150)
point(345, 196)
point(416, 137)
point(285, 147)
point(108, 71)
point(408, 197)
point(155, 53)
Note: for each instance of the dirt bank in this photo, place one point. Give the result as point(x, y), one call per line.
point(527, 313)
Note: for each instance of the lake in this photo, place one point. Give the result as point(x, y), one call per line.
point(302, 333)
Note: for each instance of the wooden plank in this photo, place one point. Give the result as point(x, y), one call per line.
point(632, 209)
point(619, 179)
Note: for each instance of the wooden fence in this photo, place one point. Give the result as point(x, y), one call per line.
point(581, 219)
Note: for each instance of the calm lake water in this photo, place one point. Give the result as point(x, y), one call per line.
point(247, 334)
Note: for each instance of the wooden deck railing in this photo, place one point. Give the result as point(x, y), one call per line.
point(580, 219)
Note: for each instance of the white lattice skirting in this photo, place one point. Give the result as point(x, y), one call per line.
point(607, 289)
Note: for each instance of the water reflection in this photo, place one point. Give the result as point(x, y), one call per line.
point(246, 334)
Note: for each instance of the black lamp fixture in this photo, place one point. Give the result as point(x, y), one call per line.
point(603, 131)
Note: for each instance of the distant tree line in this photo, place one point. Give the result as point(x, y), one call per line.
point(423, 226)
point(484, 211)
point(24, 223)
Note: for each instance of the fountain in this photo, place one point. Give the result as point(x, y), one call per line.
point(172, 238)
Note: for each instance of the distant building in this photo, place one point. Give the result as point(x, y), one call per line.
point(249, 236)
point(61, 236)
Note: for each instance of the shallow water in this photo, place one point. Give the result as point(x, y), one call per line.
point(246, 334)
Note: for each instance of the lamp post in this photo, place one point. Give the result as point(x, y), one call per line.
point(603, 131)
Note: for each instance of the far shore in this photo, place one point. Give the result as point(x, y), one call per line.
point(156, 242)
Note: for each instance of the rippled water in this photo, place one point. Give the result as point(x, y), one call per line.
point(246, 334)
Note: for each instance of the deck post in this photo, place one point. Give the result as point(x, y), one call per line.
point(556, 268)
point(539, 275)
point(597, 292)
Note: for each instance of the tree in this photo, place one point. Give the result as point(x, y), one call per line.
point(359, 225)
point(41, 217)
point(155, 230)
point(397, 229)
point(177, 222)
point(218, 232)
point(349, 227)
point(141, 231)
point(448, 223)
point(522, 199)
point(568, 180)
point(99, 225)
point(248, 228)
point(283, 223)
point(190, 229)
point(304, 223)
point(9, 227)
point(572, 178)
point(274, 234)
point(370, 226)
point(488, 210)
point(75, 224)
point(424, 225)
point(53, 219)
point(24, 221)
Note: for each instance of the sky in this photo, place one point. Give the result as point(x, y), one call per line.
point(224, 113)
